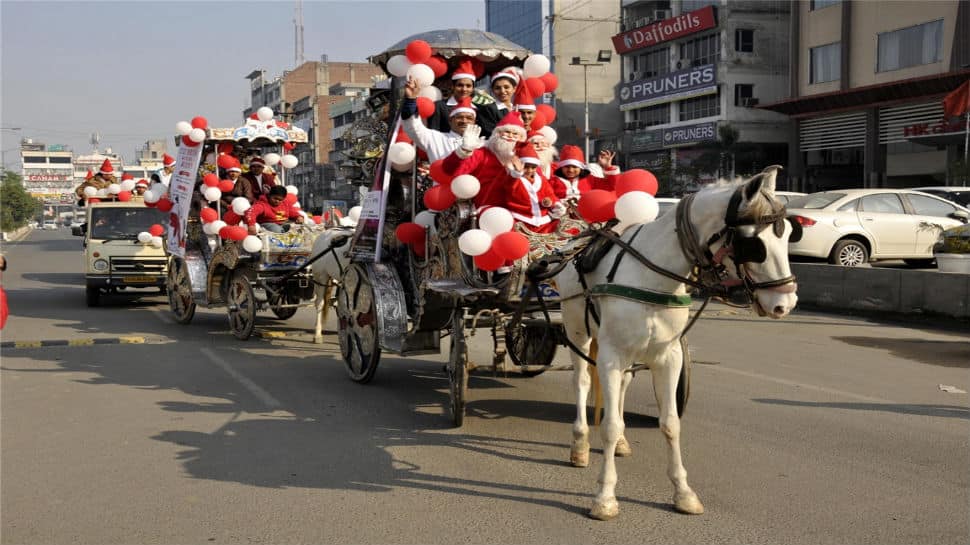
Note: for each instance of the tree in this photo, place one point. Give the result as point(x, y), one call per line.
point(17, 207)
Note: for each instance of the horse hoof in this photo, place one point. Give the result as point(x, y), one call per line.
point(318, 340)
point(579, 459)
point(688, 503)
point(606, 511)
point(623, 447)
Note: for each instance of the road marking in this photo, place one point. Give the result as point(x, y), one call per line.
point(801, 385)
point(72, 342)
point(261, 394)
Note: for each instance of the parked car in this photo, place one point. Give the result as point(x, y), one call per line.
point(853, 226)
point(959, 195)
point(666, 204)
point(50, 225)
point(786, 196)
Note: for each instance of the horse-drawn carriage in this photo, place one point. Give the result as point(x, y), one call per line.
point(243, 276)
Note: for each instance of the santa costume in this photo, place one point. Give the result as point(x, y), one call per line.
point(573, 188)
point(530, 200)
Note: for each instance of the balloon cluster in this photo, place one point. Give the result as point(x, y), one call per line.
point(631, 200)
point(152, 236)
point(493, 243)
point(192, 132)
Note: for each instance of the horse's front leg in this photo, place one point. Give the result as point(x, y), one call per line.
point(321, 296)
point(579, 452)
point(665, 377)
point(605, 506)
point(622, 445)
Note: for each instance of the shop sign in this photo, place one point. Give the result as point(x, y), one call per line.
point(665, 30)
point(690, 134)
point(49, 178)
point(649, 160)
point(693, 82)
point(943, 126)
point(646, 140)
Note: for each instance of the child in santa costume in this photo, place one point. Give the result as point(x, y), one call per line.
point(572, 178)
point(530, 198)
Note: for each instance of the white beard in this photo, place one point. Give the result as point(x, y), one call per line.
point(546, 156)
point(503, 149)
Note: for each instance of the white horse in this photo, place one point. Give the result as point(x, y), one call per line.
point(632, 330)
point(327, 272)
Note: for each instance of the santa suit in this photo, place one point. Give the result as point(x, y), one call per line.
point(493, 176)
point(566, 188)
point(524, 200)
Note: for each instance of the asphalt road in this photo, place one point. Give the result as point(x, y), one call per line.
point(815, 429)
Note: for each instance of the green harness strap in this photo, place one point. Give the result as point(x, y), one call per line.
point(641, 295)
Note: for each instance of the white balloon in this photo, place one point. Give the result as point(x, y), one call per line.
point(496, 220)
point(157, 242)
point(354, 213)
point(252, 243)
point(550, 134)
point(264, 113)
point(102, 192)
point(212, 194)
point(347, 222)
point(402, 167)
point(474, 242)
point(149, 196)
point(292, 189)
point(422, 74)
point(197, 135)
point(401, 153)
point(431, 92)
point(240, 205)
point(398, 65)
point(535, 66)
point(465, 186)
point(127, 185)
point(289, 161)
point(183, 128)
point(425, 218)
point(90, 191)
point(272, 159)
point(207, 228)
point(636, 207)
point(114, 189)
point(144, 237)
point(215, 227)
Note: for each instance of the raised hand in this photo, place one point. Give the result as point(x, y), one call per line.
point(471, 138)
point(411, 88)
point(605, 158)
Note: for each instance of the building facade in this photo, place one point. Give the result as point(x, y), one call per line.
point(691, 67)
point(48, 171)
point(865, 92)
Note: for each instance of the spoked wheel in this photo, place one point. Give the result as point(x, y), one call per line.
point(532, 347)
point(357, 325)
point(179, 287)
point(458, 367)
point(683, 382)
point(284, 298)
point(242, 306)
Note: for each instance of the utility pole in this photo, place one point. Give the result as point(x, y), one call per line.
point(298, 34)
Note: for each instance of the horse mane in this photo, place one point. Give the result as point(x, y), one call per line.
point(768, 205)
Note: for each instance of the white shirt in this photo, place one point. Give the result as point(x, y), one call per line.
point(436, 144)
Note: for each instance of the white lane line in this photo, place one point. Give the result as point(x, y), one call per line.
point(800, 384)
point(261, 394)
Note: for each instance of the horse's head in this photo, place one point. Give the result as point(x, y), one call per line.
point(755, 244)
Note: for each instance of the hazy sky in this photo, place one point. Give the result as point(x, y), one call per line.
point(132, 69)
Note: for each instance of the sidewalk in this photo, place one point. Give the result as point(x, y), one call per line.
point(19, 234)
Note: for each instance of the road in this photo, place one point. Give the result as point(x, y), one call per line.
point(815, 429)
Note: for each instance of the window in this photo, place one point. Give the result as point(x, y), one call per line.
point(35, 159)
point(696, 108)
point(819, 4)
point(648, 65)
point(911, 46)
point(691, 5)
point(742, 91)
point(653, 115)
point(701, 51)
point(60, 159)
point(882, 203)
point(928, 206)
point(825, 63)
point(850, 206)
point(744, 40)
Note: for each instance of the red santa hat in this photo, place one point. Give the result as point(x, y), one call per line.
point(127, 176)
point(141, 183)
point(523, 99)
point(168, 160)
point(512, 120)
point(527, 154)
point(89, 175)
point(257, 161)
point(234, 165)
point(464, 105)
point(571, 156)
point(509, 74)
point(106, 167)
point(464, 70)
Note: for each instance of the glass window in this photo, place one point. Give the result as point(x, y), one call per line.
point(815, 200)
point(819, 4)
point(35, 159)
point(696, 108)
point(124, 223)
point(648, 65)
point(825, 63)
point(701, 51)
point(60, 159)
point(928, 206)
point(850, 206)
point(912, 46)
point(691, 5)
point(883, 203)
point(744, 40)
point(652, 115)
point(742, 91)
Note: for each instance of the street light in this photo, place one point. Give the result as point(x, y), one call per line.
point(603, 57)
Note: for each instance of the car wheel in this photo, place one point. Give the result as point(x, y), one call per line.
point(849, 253)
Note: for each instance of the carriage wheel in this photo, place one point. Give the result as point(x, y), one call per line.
point(683, 382)
point(284, 298)
point(179, 288)
point(242, 306)
point(357, 325)
point(531, 347)
point(458, 367)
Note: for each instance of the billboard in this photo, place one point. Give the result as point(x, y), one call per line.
point(665, 30)
point(692, 82)
point(686, 135)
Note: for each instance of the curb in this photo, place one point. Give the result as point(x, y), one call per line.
point(72, 342)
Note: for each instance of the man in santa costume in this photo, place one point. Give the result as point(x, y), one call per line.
point(101, 180)
point(164, 175)
point(241, 187)
point(462, 86)
point(572, 178)
point(141, 186)
point(260, 181)
point(436, 144)
point(546, 152)
point(525, 105)
point(530, 198)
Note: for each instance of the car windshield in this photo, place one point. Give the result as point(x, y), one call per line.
point(815, 200)
point(125, 223)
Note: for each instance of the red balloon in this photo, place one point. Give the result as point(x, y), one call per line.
point(230, 217)
point(289, 146)
point(124, 196)
point(156, 230)
point(418, 248)
point(283, 124)
point(210, 180)
point(188, 141)
point(417, 51)
point(225, 147)
point(439, 197)
point(535, 86)
point(548, 112)
point(550, 80)
point(438, 173)
point(225, 161)
point(151, 204)
point(226, 185)
point(425, 107)
point(318, 219)
point(224, 232)
point(438, 65)
point(538, 121)
point(489, 261)
point(253, 116)
point(290, 198)
point(236, 232)
point(597, 205)
point(479, 68)
point(209, 215)
point(164, 204)
point(403, 136)
point(510, 245)
point(199, 122)
point(92, 199)
point(636, 180)
point(410, 233)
